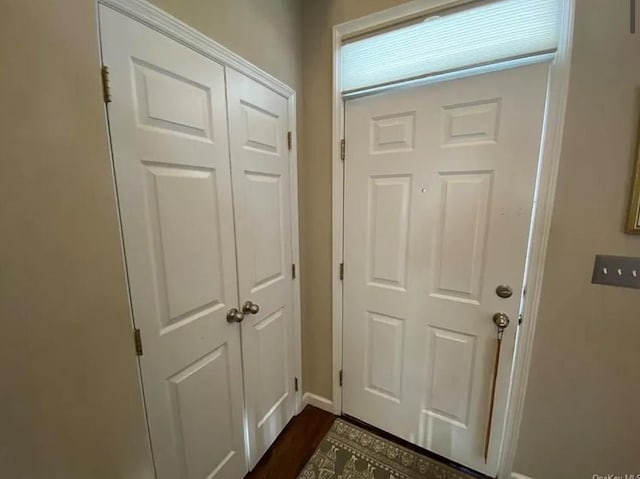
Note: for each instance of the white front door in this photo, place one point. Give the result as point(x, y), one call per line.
point(258, 122)
point(170, 148)
point(439, 188)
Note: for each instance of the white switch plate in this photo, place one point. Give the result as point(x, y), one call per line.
point(621, 271)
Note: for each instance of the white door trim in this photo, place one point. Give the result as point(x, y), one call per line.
point(159, 20)
point(543, 202)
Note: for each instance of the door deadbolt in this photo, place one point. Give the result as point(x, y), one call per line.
point(504, 291)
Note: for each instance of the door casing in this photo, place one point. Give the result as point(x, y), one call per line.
point(553, 126)
point(162, 22)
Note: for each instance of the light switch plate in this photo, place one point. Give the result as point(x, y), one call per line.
point(621, 271)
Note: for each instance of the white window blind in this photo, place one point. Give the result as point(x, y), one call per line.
point(477, 35)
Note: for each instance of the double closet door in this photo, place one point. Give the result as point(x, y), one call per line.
point(202, 176)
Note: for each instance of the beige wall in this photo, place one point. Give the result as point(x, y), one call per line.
point(70, 405)
point(265, 32)
point(581, 415)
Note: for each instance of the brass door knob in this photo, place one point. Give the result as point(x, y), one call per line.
point(234, 316)
point(250, 308)
point(501, 320)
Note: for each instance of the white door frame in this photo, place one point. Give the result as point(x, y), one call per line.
point(160, 21)
point(542, 207)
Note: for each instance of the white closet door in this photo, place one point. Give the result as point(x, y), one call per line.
point(169, 135)
point(261, 190)
point(439, 191)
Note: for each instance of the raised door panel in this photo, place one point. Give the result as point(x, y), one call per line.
point(264, 202)
point(471, 123)
point(205, 433)
point(392, 133)
point(445, 419)
point(172, 103)
point(384, 356)
point(450, 364)
point(388, 231)
point(272, 363)
point(185, 233)
point(461, 235)
point(260, 129)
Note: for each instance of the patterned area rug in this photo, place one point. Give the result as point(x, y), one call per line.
point(349, 452)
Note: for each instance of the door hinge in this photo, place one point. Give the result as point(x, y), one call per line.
point(341, 378)
point(289, 140)
point(293, 271)
point(106, 86)
point(138, 341)
point(295, 383)
point(520, 319)
point(341, 271)
point(342, 149)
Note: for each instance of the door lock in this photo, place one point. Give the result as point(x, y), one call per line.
point(504, 291)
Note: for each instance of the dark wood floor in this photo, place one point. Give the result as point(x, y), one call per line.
point(295, 445)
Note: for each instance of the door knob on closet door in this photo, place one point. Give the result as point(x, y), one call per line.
point(234, 316)
point(250, 308)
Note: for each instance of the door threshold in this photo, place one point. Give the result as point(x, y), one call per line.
point(413, 447)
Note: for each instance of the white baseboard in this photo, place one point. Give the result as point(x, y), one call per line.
point(515, 475)
point(317, 401)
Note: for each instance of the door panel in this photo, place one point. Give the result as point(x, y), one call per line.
point(439, 187)
point(450, 377)
point(271, 358)
point(388, 230)
point(258, 125)
point(203, 428)
point(156, 91)
point(385, 338)
point(264, 203)
point(183, 206)
point(171, 157)
point(462, 227)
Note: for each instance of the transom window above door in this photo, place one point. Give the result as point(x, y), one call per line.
point(471, 35)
